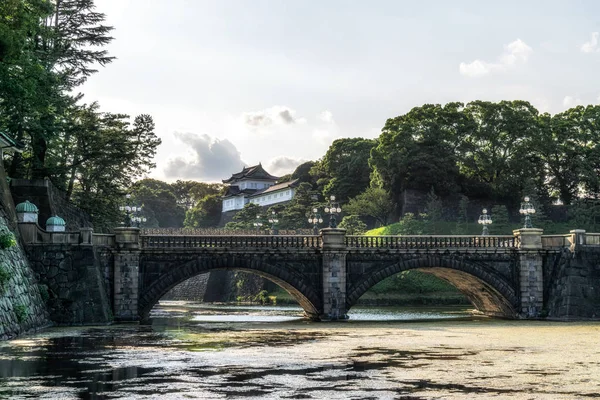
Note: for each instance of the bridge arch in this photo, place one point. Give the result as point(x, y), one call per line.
point(489, 292)
point(295, 284)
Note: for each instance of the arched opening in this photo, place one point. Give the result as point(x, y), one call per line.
point(489, 293)
point(298, 289)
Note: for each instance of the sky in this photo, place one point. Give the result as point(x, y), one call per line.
point(232, 83)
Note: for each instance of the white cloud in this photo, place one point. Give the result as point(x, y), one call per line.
point(515, 53)
point(276, 115)
point(592, 45)
point(326, 116)
point(570, 101)
point(283, 165)
point(210, 159)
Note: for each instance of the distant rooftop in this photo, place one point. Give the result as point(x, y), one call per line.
point(8, 142)
point(279, 186)
point(256, 172)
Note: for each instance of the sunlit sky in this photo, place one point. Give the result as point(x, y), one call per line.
point(232, 83)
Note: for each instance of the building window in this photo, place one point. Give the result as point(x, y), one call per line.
point(269, 197)
point(287, 193)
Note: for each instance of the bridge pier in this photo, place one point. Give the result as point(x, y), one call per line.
point(531, 274)
point(334, 274)
point(126, 274)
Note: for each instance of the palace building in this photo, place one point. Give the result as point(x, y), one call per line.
point(255, 185)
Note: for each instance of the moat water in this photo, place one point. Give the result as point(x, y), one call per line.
point(199, 351)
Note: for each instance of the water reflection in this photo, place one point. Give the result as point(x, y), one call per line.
point(200, 351)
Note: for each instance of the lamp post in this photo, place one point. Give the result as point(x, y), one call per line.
point(315, 218)
point(258, 225)
point(485, 220)
point(527, 210)
point(131, 217)
point(332, 210)
point(273, 220)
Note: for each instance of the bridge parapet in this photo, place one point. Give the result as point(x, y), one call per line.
point(432, 241)
point(252, 241)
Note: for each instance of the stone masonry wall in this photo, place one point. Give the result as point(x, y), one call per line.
point(22, 308)
point(574, 285)
point(191, 290)
point(76, 285)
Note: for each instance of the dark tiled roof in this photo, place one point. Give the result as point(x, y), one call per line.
point(235, 191)
point(254, 172)
point(11, 142)
point(279, 186)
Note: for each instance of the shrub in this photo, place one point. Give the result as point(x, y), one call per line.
point(44, 294)
point(21, 311)
point(7, 240)
point(5, 276)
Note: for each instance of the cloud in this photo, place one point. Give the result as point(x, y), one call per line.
point(211, 159)
point(515, 53)
point(276, 115)
point(570, 101)
point(326, 116)
point(283, 165)
point(592, 45)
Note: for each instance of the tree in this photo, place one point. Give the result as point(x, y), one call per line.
point(501, 223)
point(497, 149)
point(112, 157)
point(246, 218)
point(295, 214)
point(344, 170)
point(463, 217)
point(353, 225)
point(189, 193)
point(373, 202)
point(206, 213)
point(159, 203)
point(59, 54)
point(302, 173)
point(417, 151)
point(434, 211)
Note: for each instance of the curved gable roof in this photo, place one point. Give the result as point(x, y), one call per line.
point(255, 172)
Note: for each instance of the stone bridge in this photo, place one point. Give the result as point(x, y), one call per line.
point(524, 275)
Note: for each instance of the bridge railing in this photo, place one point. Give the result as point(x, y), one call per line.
point(428, 241)
point(258, 241)
point(556, 241)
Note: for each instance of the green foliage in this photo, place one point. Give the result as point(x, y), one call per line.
point(295, 214)
point(189, 193)
point(302, 173)
point(463, 217)
point(5, 276)
point(501, 223)
point(206, 214)
point(373, 202)
point(353, 225)
point(434, 212)
point(416, 150)
point(410, 225)
point(246, 218)
point(21, 312)
point(7, 240)
point(344, 171)
point(44, 293)
point(262, 297)
point(413, 282)
point(159, 204)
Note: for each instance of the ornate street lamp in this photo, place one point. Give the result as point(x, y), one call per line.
point(527, 210)
point(315, 219)
point(258, 225)
point(273, 220)
point(132, 219)
point(485, 220)
point(332, 210)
